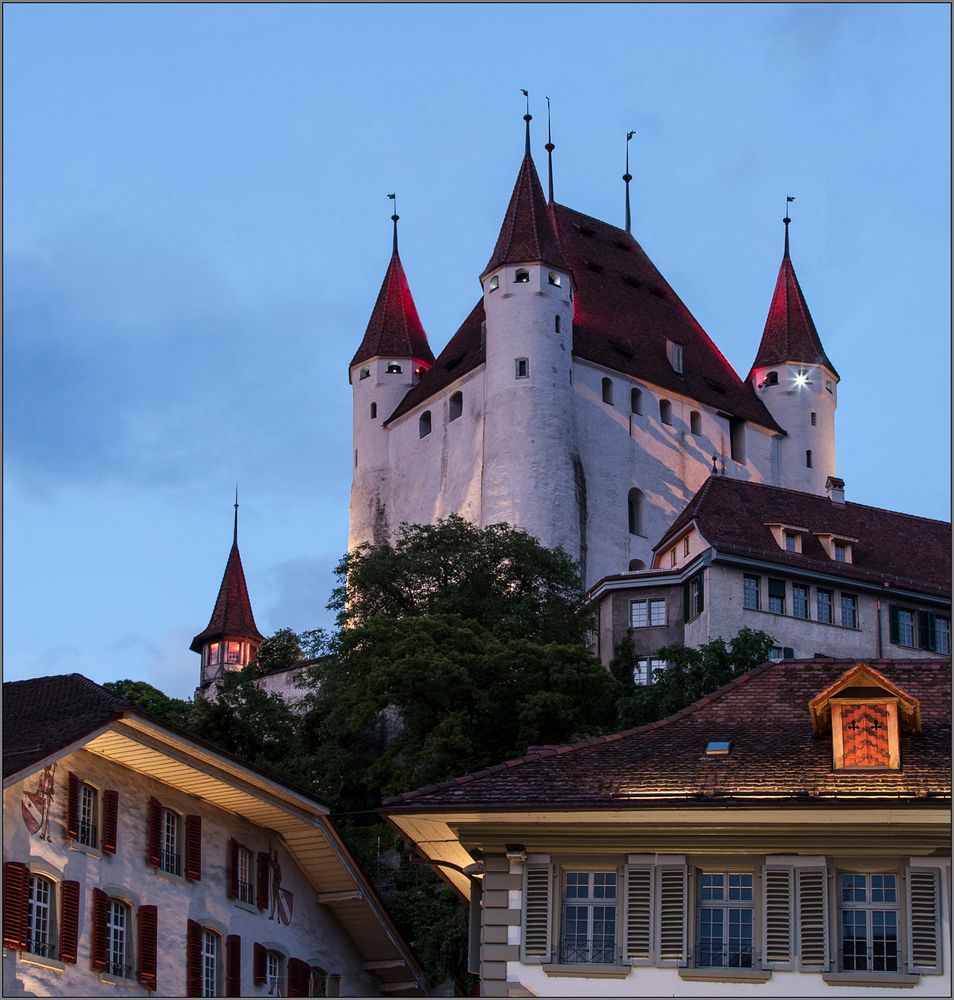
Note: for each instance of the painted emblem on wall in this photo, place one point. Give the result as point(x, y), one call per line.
point(283, 902)
point(37, 805)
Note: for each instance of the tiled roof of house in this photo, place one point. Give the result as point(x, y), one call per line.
point(44, 715)
point(232, 614)
point(394, 328)
point(790, 333)
point(774, 753)
point(901, 549)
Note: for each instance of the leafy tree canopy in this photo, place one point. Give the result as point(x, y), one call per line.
point(178, 711)
point(286, 648)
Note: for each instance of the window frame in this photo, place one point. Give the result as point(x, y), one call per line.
point(125, 967)
point(829, 595)
point(748, 579)
point(869, 906)
point(521, 276)
point(590, 902)
point(805, 591)
point(175, 856)
point(275, 982)
point(213, 989)
point(776, 599)
point(245, 889)
point(649, 605)
point(49, 946)
point(646, 666)
point(89, 833)
point(849, 601)
point(521, 367)
point(724, 905)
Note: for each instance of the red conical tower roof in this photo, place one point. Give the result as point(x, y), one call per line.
point(527, 233)
point(232, 614)
point(790, 334)
point(395, 328)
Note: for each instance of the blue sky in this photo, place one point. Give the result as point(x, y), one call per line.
point(196, 226)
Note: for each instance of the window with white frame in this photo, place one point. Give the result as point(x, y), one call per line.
point(726, 920)
point(316, 982)
point(646, 613)
point(87, 832)
point(799, 600)
point(589, 918)
point(750, 592)
point(41, 923)
point(170, 851)
point(210, 963)
point(274, 974)
point(118, 930)
point(244, 861)
point(868, 931)
point(645, 667)
point(849, 611)
point(905, 627)
point(825, 600)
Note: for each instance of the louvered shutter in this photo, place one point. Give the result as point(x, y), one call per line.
point(259, 963)
point(72, 806)
point(233, 965)
point(638, 914)
point(671, 911)
point(16, 881)
point(69, 921)
point(297, 978)
point(231, 887)
point(193, 848)
point(788, 653)
point(686, 602)
point(148, 920)
point(97, 947)
point(812, 918)
point(262, 874)
point(193, 959)
point(777, 913)
point(110, 820)
point(924, 919)
point(537, 917)
point(895, 626)
point(925, 630)
point(153, 832)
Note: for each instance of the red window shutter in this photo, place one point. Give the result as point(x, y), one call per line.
point(193, 959)
point(148, 946)
point(72, 806)
point(263, 874)
point(193, 848)
point(231, 888)
point(16, 880)
point(98, 935)
point(864, 731)
point(297, 978)
point(110, 820)
point(153, 832)
point(259, 952)
point(69, 921)
point(233, 966)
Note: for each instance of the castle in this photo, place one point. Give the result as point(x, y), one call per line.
point(580, 400)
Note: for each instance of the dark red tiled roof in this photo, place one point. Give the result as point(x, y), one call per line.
point(232, 614)
point(790, 333)
point(904, 550)
point(527, 232)
point(394, 328)
point(775, 751)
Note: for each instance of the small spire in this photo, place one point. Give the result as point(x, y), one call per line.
point(394, 219)
point(549, 148)
point(627, 177)
point(235, 528)
point(527, 118)
point(788, 200)
point(715, 470)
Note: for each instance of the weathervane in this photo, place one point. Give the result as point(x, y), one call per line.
point(788, 200)
point(527, 117)
point(394, 219)
point(627, 177)
point(549, 147)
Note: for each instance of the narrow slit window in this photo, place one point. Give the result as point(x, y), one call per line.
point(455, 406)
point(636, 401)
point(374, 410)
point(695, 423)
point(635, 504)
point(665, 411)
point(521, 368)
point(808, 459)
point(424, 424)
point(608, 391)
point(814, 418)
point(556, 324)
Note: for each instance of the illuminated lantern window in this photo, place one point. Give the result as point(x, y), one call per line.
point(394, 368)
point(213, 652)
point(522, 276)
point(233, 652)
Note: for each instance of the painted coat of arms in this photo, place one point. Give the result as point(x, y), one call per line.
point(37, 805)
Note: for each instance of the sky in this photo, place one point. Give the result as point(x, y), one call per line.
point(196, 226)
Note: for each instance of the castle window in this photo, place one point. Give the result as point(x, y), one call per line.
point(455, 406)
point(553, 278)
point(364, 373)
point(556, 324)
point(737, 440)
point(521, 368)
point(814, 418)
point(635, 505)
point(770, 379)
point(521, 276)
point(665, 411)
point(494, 283)
point(635, 401)
point(695, 423)
point(209, 969)
point(213, 653)
point(674, 353)
point(274, 973)
point(170, 858)
point(424, 424)
point(86, 833)
point(374, 410)
point(608, 391)
point(393, 368)
point(233, 652)
point(808, 459)
point(118, 931)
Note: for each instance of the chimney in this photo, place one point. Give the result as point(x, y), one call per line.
point(835, 488)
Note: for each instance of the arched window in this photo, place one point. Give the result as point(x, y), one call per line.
point(364, 373)
point(635, 565)
point(424, 424)
point(808, 459)
point(695, 422)
point(118, 938)
point(608, 391)
point(521, 276)
point(556, 323)
point(494, 283)
point(210, 963)
point(553, 278)
point(393, 368)
point(665, 411)
point(770, 379)
point(41, 917)
point(170, 847)
point(635, 504)
point(374, 410)
point(455, 406)
point(274, 973)
point(635, 401)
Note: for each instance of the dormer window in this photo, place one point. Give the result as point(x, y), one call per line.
point(521, 276)
point(554, 279)
point(837, 547)
point(865, 712)
point(674, 353)
point(494, 283)
point(393, 368)
point(841, 551)
point(787, 536)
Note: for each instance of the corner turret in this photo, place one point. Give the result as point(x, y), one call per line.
point(798, 384)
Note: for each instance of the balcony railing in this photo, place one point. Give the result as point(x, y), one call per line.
point(41, 946)
point(245, 892)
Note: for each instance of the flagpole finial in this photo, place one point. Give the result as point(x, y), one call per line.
point(394, 219)
point(235, 525)
point(527, 118)
point(788, 200)
point(627, 177)
point(549, 147)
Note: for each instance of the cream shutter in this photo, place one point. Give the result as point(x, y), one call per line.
point(778, 927)
point(924, 932)
point(638, 914)
point(812, 900)
point(671, 912)
point(537, 913)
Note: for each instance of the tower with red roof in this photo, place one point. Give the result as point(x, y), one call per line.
point(798, 384)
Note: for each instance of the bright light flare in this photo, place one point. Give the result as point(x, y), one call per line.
point(801, 380)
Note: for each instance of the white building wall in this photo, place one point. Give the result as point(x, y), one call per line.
point(313, 934)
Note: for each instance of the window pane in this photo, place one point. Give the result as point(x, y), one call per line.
point(657, 612)
point(884, 940)
point(853, 888)
point(942, 635)
point(739, 955)
point(710, 936)
point(750, 592)
point(711, 886)
point(638, 617)
point(905, 627)
point(849, 611)
point(825, 606)
point(740, 886)
point(854, 940)
point(799, 600)
point(39, 937)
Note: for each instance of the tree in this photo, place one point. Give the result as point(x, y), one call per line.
point(692, 673)
point(178, 711)
point(286, 648)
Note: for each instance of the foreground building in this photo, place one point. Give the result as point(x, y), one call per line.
point(787, 835)
point(140, 860)
point(825, 577)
